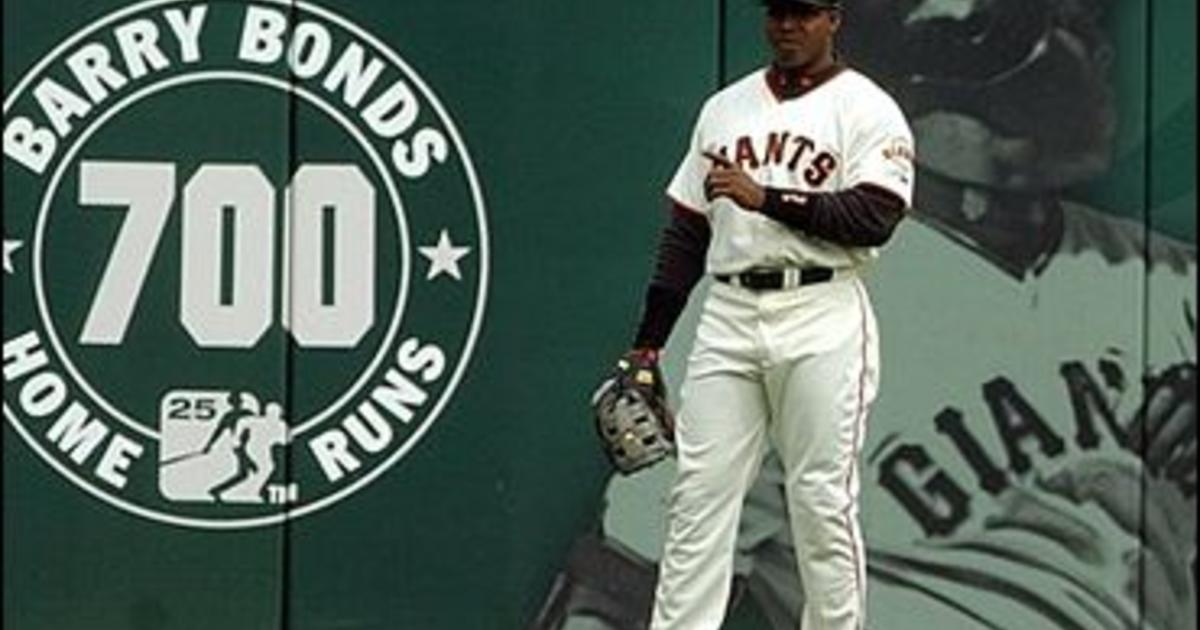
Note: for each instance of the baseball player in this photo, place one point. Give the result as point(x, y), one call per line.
point(1003, 291)
point(1036, 467)
point(795, 175)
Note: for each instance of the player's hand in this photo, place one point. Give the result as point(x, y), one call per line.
point(1159, 520)
point(642, 366)
point(1164, 430)
point(726, 179)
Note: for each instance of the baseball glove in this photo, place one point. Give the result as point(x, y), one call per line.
point(632, 416)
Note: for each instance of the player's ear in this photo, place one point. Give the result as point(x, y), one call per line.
point(835, 20)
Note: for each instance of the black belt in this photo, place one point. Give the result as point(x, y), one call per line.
point(775, 279)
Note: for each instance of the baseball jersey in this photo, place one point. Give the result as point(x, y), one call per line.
point(1040, 376)
point(841, 133)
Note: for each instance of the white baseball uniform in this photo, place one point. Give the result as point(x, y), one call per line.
point(1025, 557)
point(798, 366)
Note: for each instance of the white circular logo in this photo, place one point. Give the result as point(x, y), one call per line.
point(245, 260)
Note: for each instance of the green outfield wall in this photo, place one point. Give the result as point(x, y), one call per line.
point(304, 303)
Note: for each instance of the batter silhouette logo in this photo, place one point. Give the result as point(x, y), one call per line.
point(245, 259)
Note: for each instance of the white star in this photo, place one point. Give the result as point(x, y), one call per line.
point(9, 248)
point(444, 257)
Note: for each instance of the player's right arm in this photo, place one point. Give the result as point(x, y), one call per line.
point(682, 248)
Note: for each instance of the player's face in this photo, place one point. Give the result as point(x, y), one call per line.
point(1029, 78)
point(800, 34)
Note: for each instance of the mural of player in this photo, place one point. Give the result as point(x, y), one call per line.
point(1035, 456)
point(219, 448)
point(1032, 460)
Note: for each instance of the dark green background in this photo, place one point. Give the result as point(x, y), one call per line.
point(575, 114)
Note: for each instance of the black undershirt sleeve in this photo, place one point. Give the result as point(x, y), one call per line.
point(862, 216)
point(678, 267)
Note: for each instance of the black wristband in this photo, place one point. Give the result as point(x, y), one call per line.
point(789, 210)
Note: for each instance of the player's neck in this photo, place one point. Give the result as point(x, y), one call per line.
point(819, 64)
point(791, 81)
point(1016, 232)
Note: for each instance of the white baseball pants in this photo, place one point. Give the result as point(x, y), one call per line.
point(799, 367)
